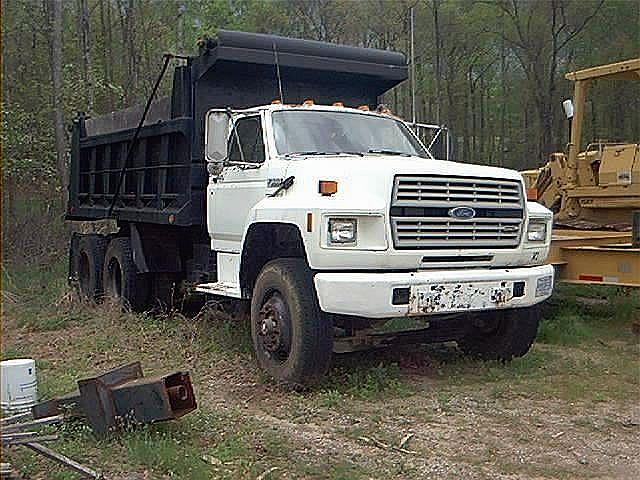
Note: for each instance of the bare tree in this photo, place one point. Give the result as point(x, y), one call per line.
point(56, 77)
point(85, 46)
point(539, 32)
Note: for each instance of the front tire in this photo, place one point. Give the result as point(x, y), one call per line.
point(121, 279)
point(502, 335)
point(293, 341)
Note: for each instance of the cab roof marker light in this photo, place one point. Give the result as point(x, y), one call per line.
point(384, 110)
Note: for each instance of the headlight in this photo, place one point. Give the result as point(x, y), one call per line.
point(537, 231)
point(343, 230)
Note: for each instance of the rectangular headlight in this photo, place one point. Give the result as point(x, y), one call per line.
point(342, 230)
point(537, 231)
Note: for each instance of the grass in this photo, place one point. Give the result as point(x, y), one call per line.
point(579, 313)
point(363, 382)
point(246, 426)
point(166, 451)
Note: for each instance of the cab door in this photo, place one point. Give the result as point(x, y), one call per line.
point(240, 185)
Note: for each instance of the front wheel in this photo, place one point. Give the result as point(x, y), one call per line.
point(502, 334)
point(293, 341)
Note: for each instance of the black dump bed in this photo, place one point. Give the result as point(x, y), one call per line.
point(166, 178)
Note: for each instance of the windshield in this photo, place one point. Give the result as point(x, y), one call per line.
point(322, 132)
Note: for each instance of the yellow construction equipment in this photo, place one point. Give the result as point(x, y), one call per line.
point(594, 194)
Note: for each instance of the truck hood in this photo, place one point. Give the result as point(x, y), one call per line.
point(393, 164)
point(366, 182)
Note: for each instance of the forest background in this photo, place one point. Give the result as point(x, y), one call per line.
point(492, 71)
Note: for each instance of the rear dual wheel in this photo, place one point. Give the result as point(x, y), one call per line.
point(86, 258)
point(122, 282)
point(100, 267)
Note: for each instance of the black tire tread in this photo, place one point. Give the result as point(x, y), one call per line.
point(514, 337)
point(312, 348)
point(94, 245)
point(135, 289)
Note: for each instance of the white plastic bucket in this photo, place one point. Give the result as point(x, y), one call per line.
point(18, 385)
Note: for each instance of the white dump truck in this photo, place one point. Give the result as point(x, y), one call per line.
point(328, 219)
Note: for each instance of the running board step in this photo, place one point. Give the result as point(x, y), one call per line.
point(225, 289)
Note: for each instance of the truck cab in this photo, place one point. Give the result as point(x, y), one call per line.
point(371, 227)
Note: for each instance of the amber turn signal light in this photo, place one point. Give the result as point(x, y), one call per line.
point(327, 187)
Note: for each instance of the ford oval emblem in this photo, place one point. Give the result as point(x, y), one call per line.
point(463, 213)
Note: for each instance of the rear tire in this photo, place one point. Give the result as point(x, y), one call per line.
point(292, 339)
point(503, 334)
point(86, 258)
point(121, 279)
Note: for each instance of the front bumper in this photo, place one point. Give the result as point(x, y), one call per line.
point(433, 292)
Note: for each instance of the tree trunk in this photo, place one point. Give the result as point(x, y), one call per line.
point(482, 148)
point(437, 63)
point(128, 42)
point(85, 43)
point(107, 55)
point(58, 107)
point(503, 90)
point(474, 132)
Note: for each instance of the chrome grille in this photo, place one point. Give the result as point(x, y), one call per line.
point(421, 205)
point(434, 190)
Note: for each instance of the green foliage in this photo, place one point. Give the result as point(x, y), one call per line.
point(167, 451)
point(474, 72)
point(27, 144)
point(576, 314)
point(364, 382)
point(564, 328)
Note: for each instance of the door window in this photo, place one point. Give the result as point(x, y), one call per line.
point(246, 143)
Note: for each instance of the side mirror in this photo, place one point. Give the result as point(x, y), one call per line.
point(216, 135)
point(567, 105)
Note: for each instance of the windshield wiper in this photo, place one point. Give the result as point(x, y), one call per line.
point(291, 154)
point(388, 152)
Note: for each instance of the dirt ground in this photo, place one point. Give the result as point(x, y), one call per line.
point(567, 410)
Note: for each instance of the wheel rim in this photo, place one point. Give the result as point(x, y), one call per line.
point(84, 273)
point(274, 328)
point(115, 278)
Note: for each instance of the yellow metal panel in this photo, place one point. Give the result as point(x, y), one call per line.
point(588, 166)
point(576, 238)
point(612, 265)
point(620, 70)
point(616, 164)
point(611, 191)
